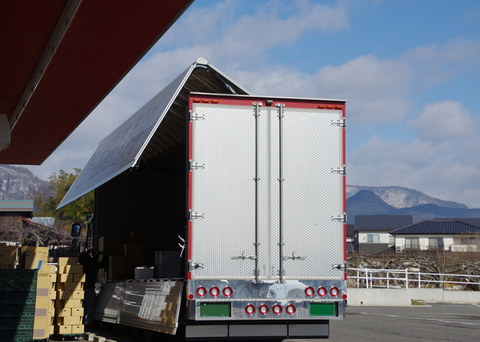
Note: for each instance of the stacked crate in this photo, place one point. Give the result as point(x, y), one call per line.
point(70, 294)
point(17, 296)
point(45, 302)
point(8, 256)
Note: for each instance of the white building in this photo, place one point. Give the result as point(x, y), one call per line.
point(372, 232)
point(456, 235)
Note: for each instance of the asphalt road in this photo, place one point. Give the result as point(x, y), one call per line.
point(435, 322)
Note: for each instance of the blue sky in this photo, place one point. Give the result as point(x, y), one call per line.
point(409, 70)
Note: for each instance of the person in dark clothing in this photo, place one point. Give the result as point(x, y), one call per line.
point(90, 267)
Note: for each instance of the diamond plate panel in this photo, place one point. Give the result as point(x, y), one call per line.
point(312, 194)
point(224, 191)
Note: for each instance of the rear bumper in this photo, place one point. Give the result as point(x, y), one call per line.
point(261, 330)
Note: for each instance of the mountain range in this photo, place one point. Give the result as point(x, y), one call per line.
point(395, 200)
point(19, 183)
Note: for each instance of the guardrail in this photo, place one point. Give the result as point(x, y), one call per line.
point(409, 279)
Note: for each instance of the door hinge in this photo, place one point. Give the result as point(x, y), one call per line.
point(342, 170)
point(194, 215)
point(294, 257)
point(340, 218)
point(256, 108)
point(195, 116)
point(196, 166)
point(195, 266)
point(341, 267)
point(340, 123)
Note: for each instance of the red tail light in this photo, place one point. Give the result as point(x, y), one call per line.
point(214, 291)
point(309, 291)
point(277, 309)
point(201, 291)
point(334, 291)
point(227, 292)
point(250, 309)
point(322, 292)
point(263, 309)
point(290, 309)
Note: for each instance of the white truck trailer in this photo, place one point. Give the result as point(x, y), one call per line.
point(256, 193)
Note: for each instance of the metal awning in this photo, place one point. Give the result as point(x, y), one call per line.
point(153, 131)
point(61, 58)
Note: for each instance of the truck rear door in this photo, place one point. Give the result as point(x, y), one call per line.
point(266, 188)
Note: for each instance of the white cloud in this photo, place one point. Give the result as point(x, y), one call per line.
point(444, 169)
point(444, 120)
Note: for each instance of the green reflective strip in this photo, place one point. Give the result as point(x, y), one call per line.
point(322, 309)
point(214, 309)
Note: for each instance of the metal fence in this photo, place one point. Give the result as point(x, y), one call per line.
point(370, 278)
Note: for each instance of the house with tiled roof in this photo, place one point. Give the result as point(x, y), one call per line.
point(13, 211)
point(455, 235)
point(372, 232)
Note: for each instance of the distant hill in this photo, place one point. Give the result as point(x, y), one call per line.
point(399, 197)
point(363, 201)
point(18, 183)
point(366, 202)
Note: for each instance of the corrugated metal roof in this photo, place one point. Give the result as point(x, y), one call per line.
point(381, 222)
point(16, 205)
point(437, 226)
point(154, 131)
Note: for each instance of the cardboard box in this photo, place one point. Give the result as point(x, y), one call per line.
point(51, 329)
point(64, 294)
point(117, 261)
point(69, 303)
point(63, 329)
point(6, 267)
point(78, 329)
point(40, 323)
point(33, 257)
point(8, 255)
point(114, 245)
point(78, 294)
point(44, 281)
point(42, 302)
point(44, 306)
point(52, 294)
point(78, 312)
point(79, 277)
point(70, 286)
point(117, 273)
point(65, 277)
point(133, 249)
point(73, 269)
point(63, 312)
point(34, 260)
point(70, 320)
point(43, 292)
point(67, 261)
point(41, 333)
